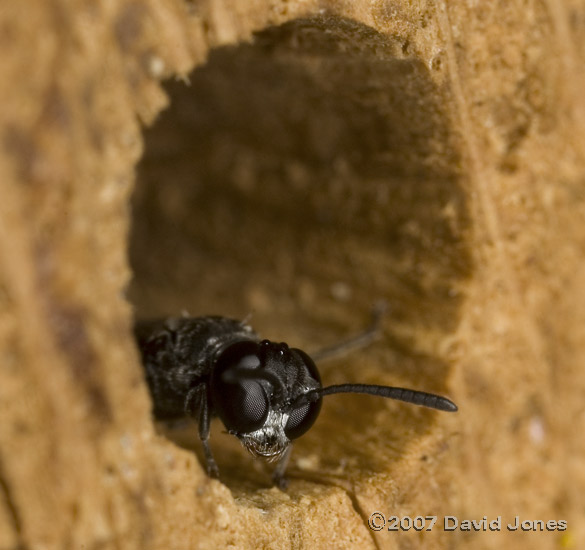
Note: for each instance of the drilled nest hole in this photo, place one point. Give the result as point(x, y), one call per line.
point(299, 179)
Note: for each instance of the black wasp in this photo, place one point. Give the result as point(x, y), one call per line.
point(265, 393)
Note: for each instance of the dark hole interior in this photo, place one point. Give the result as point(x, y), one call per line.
point(300, 178)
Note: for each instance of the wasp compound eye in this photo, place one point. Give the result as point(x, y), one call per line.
point(301, 419)
point(237, 391)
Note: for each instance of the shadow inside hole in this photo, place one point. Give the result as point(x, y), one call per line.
point(302, 177)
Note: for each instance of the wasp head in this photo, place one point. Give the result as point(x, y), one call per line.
point(257, 390)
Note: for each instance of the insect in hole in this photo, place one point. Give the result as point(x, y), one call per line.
point(265, 393)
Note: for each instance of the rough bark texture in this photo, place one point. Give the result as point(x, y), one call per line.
point(316, 156)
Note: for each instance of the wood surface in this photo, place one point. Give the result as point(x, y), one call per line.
point(297, 161)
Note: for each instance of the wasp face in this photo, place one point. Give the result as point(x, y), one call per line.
point(270, 441)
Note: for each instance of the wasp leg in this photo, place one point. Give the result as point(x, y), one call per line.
point(199, 395)
point(278, 475)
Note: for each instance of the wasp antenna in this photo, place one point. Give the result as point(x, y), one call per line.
point(424, 399)
point(360, 340)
